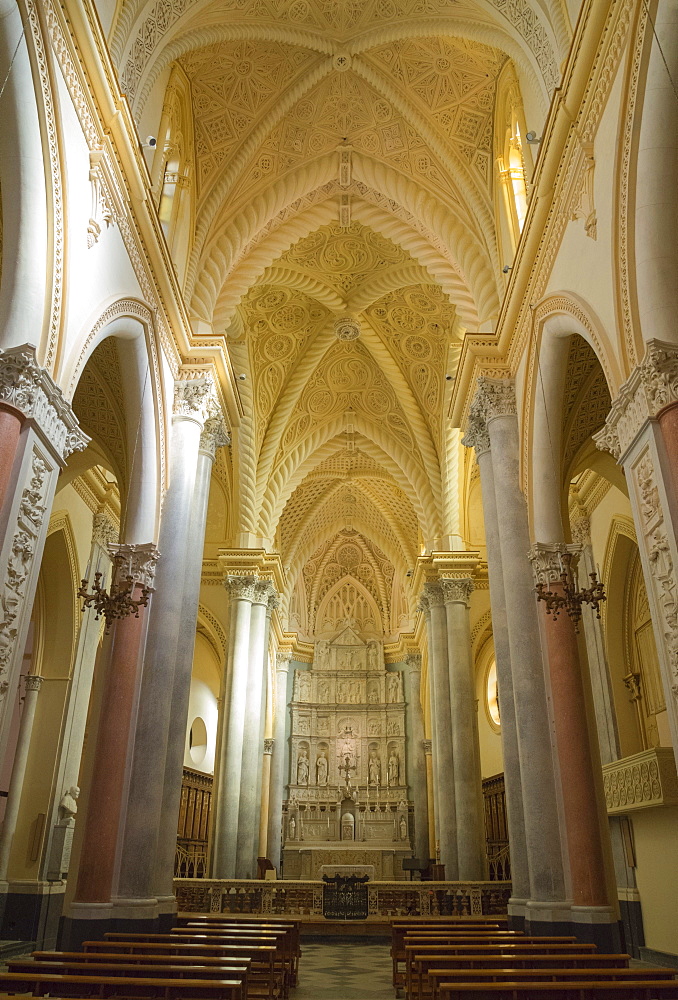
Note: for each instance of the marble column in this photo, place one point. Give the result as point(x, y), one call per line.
point(104, 808)
point(213, 436)
point(136, 883)
point(248, 819)
point(415, 757)
point(443, 759)
point(265, 797)
point(274, 837)
point(434, 819)
point(427, 747)
point(104, 534)
point(478, 437)
point(639, 433)
point(468, 792)
point(273, 603)
point(576, 754)
point(32, 684)
point(228, 774)
point(48, 433)
point(495, 405)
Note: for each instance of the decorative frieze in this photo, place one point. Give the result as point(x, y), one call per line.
point(104, 531)
point(652, 385)
point(28, 388)
point(643, 781)
point(269, 745)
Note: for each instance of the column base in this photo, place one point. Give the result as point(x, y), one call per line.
point(90, 921)
point(30, 911)
point(632, 920)
point(516, 913)
point(597, 925)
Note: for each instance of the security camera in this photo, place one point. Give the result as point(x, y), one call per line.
point(532, 137)
point(242, 376)
point(449, 378)
point(506, 268)
point(151, 142)
point(409, 573)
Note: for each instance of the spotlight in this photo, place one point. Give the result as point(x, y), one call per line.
point(242, 376)
point(449, 378)
point(150, 143)
point(506, 268)
point(533, 137)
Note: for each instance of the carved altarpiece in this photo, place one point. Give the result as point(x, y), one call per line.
point(347, 799)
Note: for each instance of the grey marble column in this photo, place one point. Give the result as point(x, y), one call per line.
point(248, 814)
point(137, 873)
point(415, 756)
point(33, 683)
point(443, 759)
point(278, 760)
point(495, 404)
point(257, 845)
point(214, 435)
point(434, 820)
point(468, 792)
point(478, 437)
point(228, 774)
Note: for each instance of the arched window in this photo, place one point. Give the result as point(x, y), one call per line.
point(513, 160)
point(516, 170)
point(492, 694)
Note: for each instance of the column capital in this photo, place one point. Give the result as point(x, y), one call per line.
point(477, 435)
point(433, 594)
point(580, 526)
point(457, 591)
point(546, 560)
point(268, 746)
point(427, 746)
point(651, 386)
point(194, 399)
point(283, 658)
point(241, 588)
point(104, 531)
point(33, 682)
point(31, 390)
point(495, 397)
point(273, 602)
point(139, 561)
point(413, 661)
point(263, 592)
point(214, 435)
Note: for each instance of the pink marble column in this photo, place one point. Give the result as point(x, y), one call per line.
point(576, 756)
point(102, 820)
point(10, 432)
point(668, 423)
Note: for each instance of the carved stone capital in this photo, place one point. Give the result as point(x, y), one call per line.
point(273, 602)
point(427, 746)
point(268, 746)
point(241, 588)
point(33, 682)
point(547, 562)
point(434, 595)
point(28, 388)
point(457, 591)
point(477, 435)
point(214, 435)
point(263, 591)
point(413, 661)
point(139, 562)
point(495, 397)
point(193, 399)
point(283, 658)
point(104, 532)
point(423, 605)
point(652, 385)
point(580, 526)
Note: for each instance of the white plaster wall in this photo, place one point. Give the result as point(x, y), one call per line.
point(203, 702)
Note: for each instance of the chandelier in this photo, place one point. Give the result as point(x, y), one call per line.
point(118, 603)
point(572, 598)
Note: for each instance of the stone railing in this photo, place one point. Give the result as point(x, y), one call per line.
point(385, 899)
point(646, 780)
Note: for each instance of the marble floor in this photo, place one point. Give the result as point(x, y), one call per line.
point(344, 970)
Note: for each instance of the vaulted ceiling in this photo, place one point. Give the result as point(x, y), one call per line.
point(343, 181)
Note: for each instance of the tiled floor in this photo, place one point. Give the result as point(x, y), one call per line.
point(343, 970)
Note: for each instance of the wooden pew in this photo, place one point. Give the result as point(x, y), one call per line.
point(92, 985)
point(268, 952)
point(554, 975)
point(290, 930)
point(265, 965)
point(586, 990)
point(264, 921)
point(401, 926)
point(163, 969)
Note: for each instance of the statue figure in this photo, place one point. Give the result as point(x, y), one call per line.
point(393, 769)
point(372, 656)
point(302, 768)
point(304, 687)
point(68, 806)
point(355, 692)
point(322, 653)
point(342, 692)
point(373, 695)
point(374, 768)
point(403, 828)
point(323, 691)
point(321, 768)
point(292, 828)
point(393, 688)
